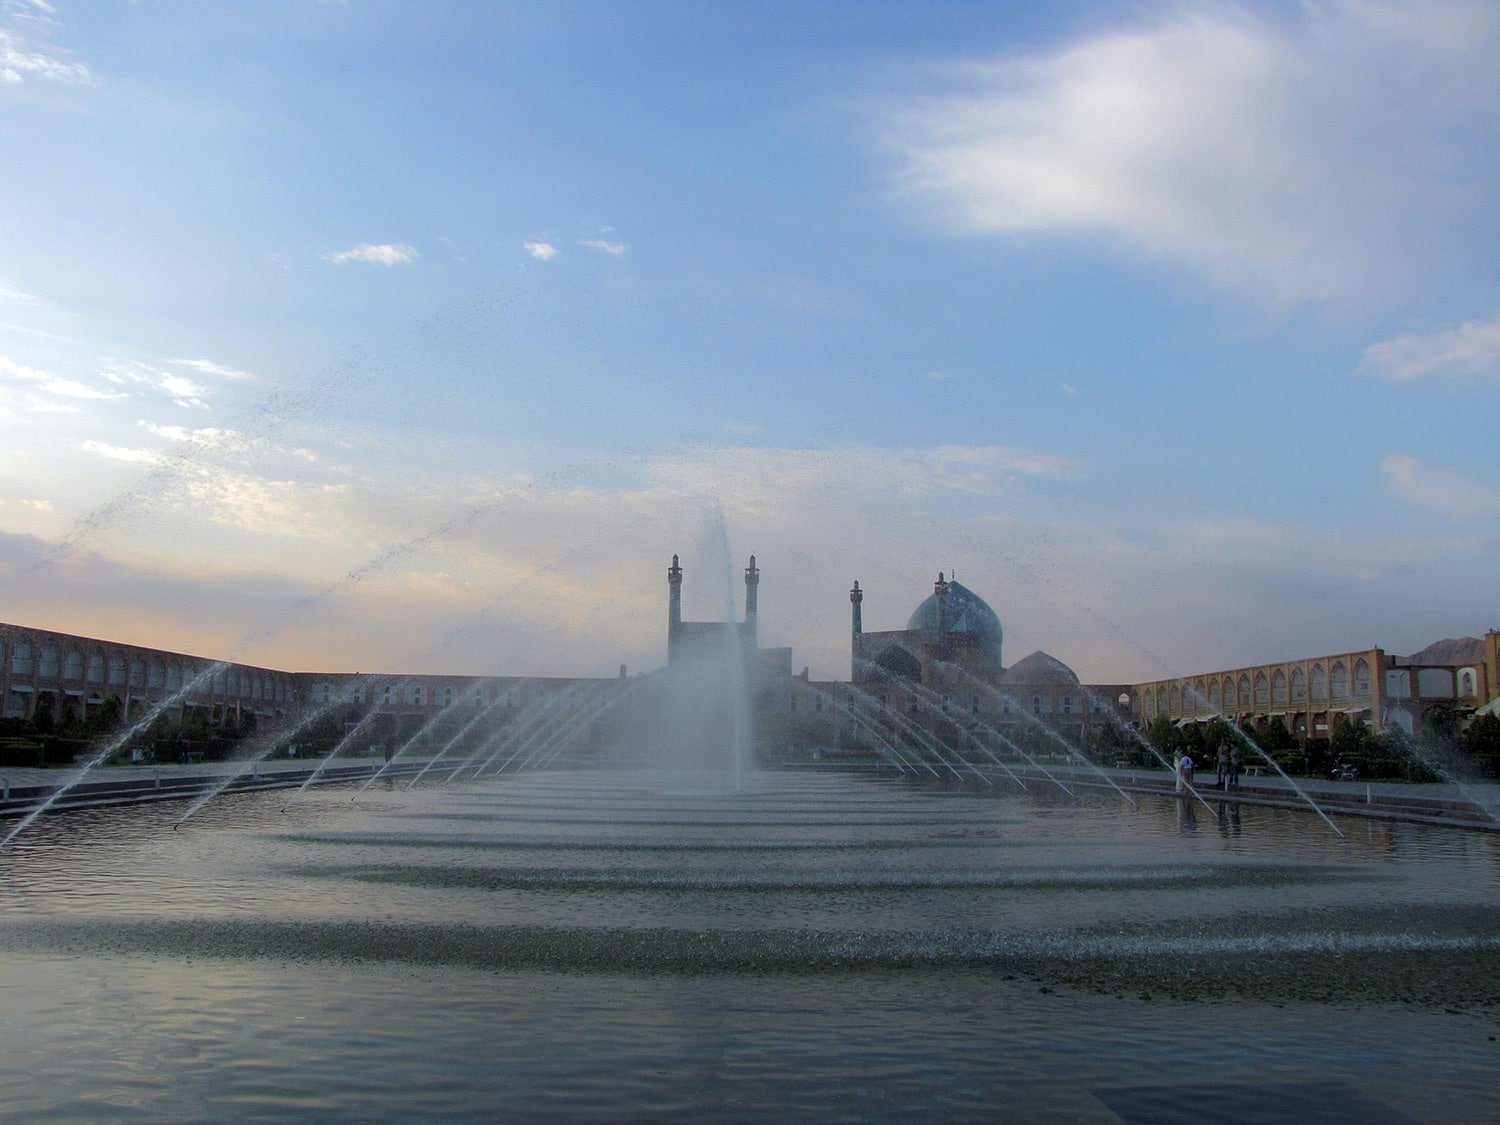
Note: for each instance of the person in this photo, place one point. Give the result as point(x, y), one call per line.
point(1187, 770)
point(1221, 772)
point(1177, 768)
point(1234, 768)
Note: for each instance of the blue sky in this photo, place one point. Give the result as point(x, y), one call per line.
point(418, 337)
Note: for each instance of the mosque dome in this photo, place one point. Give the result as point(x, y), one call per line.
point(1039, 668)
point(967, 612)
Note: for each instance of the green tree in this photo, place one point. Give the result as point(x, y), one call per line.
point(106, 717)
point(42, 719)
point(1482, 740)
point(1350, 743)
point(1165, 736)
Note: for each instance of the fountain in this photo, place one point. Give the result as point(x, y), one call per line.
point(670, 932)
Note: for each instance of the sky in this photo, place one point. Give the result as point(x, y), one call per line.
point(417, 338)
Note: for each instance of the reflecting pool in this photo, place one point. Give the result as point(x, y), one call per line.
point(630, 945)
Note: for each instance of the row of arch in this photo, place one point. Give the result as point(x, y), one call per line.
point(418, 692)
point(887, 701)
point(40, 664)
point(1337, 683)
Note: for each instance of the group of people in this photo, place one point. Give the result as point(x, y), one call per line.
point(1226, 775)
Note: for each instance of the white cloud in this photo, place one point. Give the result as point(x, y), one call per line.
point(120, 453)
point(541, 251)
point(208, 367)
point(385, 254)
point(16, 297)
point(179, 388)
point(71, 388)
point(37, 505)
point(1469, 349)
point(19, 63)
point(1439, 490)
point(605, 245)
point(763, 480)
point(11, 369)
point(1313, 157)
point(55, 385)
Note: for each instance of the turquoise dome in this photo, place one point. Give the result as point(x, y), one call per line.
point(967, 613)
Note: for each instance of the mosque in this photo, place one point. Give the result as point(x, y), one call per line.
point(943, 677)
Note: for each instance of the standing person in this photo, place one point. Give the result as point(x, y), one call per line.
point(1234, 768)
point(1187, 770)
point(1221, 772)
point(1177, 768)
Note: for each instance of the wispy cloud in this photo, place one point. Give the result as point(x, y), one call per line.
point(208, 367)
point(16, 297)
point(45, 382)
point(121, 453)
point(1309, 156)
point(384, 254)
point(179, 388)
point(541, 251)
point(1469, 349)
point(604, 245)
point(20, 62)
point(1439, 490)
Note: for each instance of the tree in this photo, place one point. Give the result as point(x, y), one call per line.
point(1482, 740)
point(42, 719)
point(1350, 742)
point(106, 716)
point(1165, 736)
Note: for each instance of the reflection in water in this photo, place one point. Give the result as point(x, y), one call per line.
point(602, 945)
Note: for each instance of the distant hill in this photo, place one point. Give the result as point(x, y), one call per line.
point(1455, 650)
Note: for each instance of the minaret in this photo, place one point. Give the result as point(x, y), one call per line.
point(856, 627)
point(940, 589)
point(752, 582)
point(674, 606)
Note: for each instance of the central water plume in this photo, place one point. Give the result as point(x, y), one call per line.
point(701, 704)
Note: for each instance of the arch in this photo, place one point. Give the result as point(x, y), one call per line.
point(1466, 682)
point(899, 664)
point(47, 667)
point(96, 667)
point(1339, 678)
point(1174, 699)
point(1262, 690)
point(174, 675)
point(117, 669)
point(1231, 697)
point(1243, 690)
point(1278, 687)
point(156, 674)
point(1299, 686)
point(1213, 695)
point(1317, 682)
point(1362, 679)
point(137, 672)
point(73, 663)
point(20, 658)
